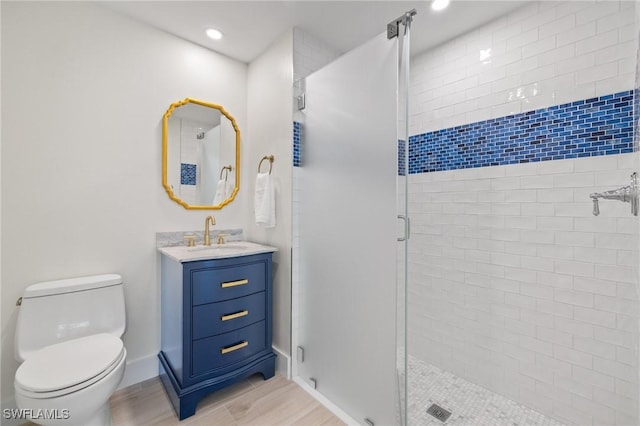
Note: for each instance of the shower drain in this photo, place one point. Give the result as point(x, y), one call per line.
point(439, 412)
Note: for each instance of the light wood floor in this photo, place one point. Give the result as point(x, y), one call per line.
point(254, 401)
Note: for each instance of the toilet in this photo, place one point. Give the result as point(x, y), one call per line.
point(68, 342)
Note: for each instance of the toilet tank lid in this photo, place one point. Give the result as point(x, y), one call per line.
point(69, 285)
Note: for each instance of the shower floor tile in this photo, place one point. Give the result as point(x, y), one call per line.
point(470, 404)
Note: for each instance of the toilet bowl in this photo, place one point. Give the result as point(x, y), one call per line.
point(70, 383)
point(68, 339)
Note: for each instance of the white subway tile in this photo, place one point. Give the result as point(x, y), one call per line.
point(594, 316)
point(537, 372)
point(595, 286)
point(555, 280)
point(520, 300)
point(626, 291)
point(520, 274)
point(537, 263)
point(543, 45)
point(597, 11)
point(537, 291)
point(538, 209)
point(597, 42)
point(541, 73)
point(576, 298)
point(556, 55)
point(554, 336)
point(593, 378)
point(576, 34)
point(574, 64)
point(615, 337)
point(575, 239)
point(564, 381)
point(572, 356)
point(625, 356)
point(556, 26)
point(555, 195)
point(555, 308)
point(607, 240)
point(615, 369)
point(520, 248)
point(619, 273)
point(577, 328)
point(574, 180)
point(519, 195)
point(536, 182)
point(537, 318)
point(542, 237)
point(594, 347)
point(613, 304)
point(601, 414)
point(597, 225)
point(570, 415)
point(555, 223)
point(505, 259)
point(520, 222)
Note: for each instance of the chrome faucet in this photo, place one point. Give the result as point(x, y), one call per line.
point(207, 237)
point(626, 194)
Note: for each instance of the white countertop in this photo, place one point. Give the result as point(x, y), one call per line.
point(214, 251)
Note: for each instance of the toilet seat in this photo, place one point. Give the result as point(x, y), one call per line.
point(70, 366)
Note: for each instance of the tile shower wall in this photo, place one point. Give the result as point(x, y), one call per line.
point(515, 285)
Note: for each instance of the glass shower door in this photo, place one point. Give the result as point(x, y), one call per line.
point(348, 232)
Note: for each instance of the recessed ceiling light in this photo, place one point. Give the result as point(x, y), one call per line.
point(439, 4)
point(214, 34)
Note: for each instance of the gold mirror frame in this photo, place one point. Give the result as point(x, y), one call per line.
point(165, 150)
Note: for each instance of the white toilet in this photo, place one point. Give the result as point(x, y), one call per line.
point(68, 340)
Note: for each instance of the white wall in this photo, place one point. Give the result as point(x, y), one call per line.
point(514, 284)
point(270, 88)
point(83, 94)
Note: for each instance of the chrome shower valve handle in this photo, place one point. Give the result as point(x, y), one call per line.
point(626, 194)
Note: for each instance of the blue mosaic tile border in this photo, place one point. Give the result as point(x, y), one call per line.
point(296, 144)
point(187, 174)
point(590, 127)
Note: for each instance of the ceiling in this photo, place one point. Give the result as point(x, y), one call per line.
point(251, 26)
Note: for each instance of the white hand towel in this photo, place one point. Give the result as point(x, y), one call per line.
point(265, 201)
point(221, 192)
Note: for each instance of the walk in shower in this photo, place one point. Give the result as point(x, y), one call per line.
point(468, 254)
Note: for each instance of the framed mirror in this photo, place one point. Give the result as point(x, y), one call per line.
point(200, 155)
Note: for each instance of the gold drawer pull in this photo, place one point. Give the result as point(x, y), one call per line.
point(234, 347)
point(234, 316)
point(234, 283)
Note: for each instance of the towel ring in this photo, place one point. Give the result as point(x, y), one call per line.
point(228, 169)
point(266, 157)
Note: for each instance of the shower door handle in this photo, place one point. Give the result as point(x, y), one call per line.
point(407, 227)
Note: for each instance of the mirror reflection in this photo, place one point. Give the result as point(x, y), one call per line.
point(201, 144)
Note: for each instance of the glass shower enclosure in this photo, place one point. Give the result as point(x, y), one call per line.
point(474, 258)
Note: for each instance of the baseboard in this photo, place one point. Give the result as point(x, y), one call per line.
point(325, 401)
point(283, 363)
point(139, 370)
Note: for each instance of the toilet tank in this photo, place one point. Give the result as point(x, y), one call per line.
point(55, 311)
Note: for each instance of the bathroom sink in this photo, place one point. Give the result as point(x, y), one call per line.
point(215, 251)
point(213, 247)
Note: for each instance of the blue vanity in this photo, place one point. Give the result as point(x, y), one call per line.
point(216, 319)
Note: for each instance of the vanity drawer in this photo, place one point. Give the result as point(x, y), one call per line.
point(214, 285)
point(225, 349)
point(221, 317)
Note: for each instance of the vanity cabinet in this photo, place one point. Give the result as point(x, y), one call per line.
point(216, 325)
